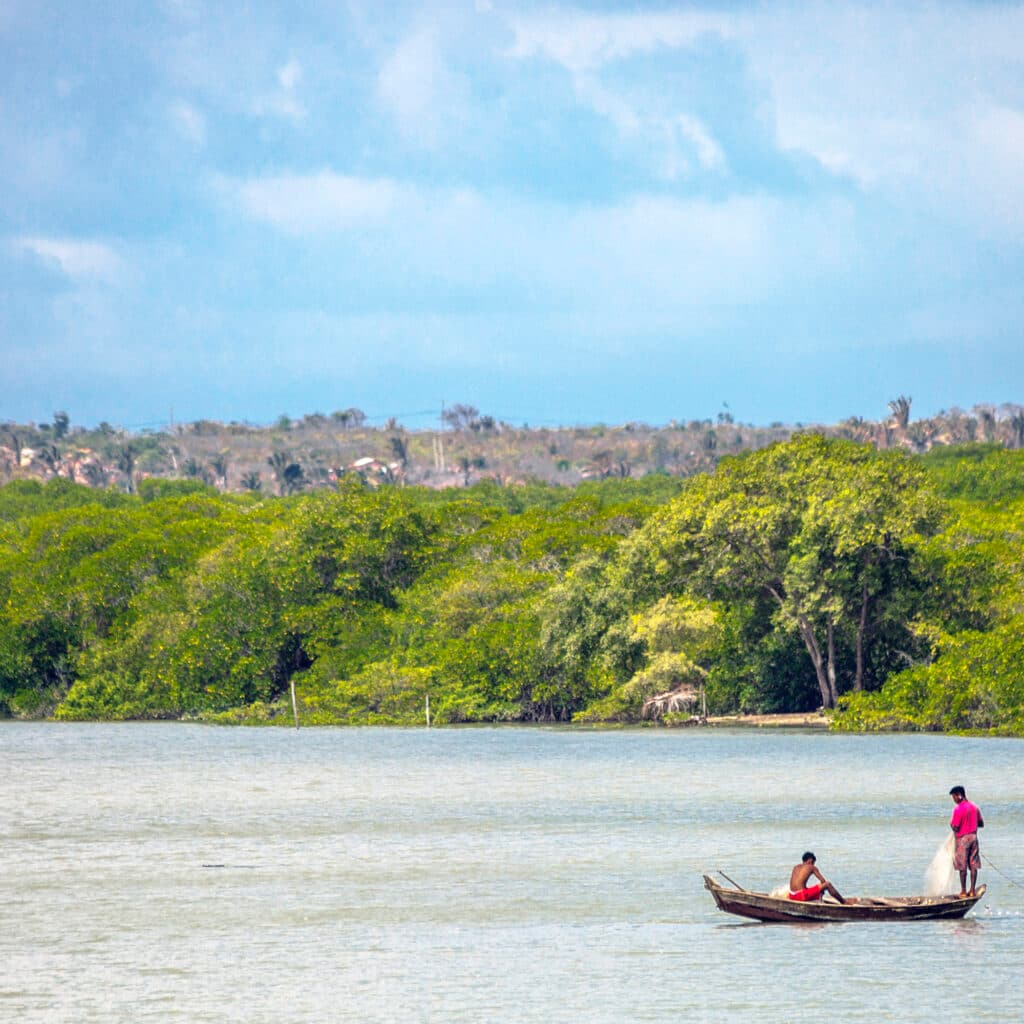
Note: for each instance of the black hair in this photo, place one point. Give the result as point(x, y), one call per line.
point(958, 791)
point(808, 856)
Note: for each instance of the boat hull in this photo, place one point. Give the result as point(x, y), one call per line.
point(760, 906)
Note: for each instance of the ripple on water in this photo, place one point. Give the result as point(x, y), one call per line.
point(493, 874)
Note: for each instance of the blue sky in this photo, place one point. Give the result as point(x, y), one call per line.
point(558, 214)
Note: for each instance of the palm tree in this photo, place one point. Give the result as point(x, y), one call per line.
point(289, 475)
point(857, 429)
point(251, 481)
point(1016, 422)
point(987, 422)
point(468, 463)
point(278, 462)
point(400, 450)
point(349, 417)
point(294, 478)
point(49, 458)
point(95, 475)
point(900, 408)
point(219, 465)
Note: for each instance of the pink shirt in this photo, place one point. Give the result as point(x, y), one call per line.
point(965, 818)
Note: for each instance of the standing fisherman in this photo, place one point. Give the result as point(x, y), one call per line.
point(965, 823)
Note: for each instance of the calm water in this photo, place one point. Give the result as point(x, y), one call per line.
point(487, 875)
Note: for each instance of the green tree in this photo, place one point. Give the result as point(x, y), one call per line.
point(812, 525)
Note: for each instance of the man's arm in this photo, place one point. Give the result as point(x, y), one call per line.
point(981, 820)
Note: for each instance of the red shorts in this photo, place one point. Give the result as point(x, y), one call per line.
point(812, 892)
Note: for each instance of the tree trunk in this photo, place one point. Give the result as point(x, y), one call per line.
point(811, 643)
point(858, 678)
point(833, 691)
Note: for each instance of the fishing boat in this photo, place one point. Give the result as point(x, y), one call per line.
point(763, 906)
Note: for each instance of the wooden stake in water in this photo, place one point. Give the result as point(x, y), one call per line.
point(428, 710)
point(295, 707)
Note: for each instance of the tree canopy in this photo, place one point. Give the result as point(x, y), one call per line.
point(809, 573)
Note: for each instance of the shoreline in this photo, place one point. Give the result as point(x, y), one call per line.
point(795, 720)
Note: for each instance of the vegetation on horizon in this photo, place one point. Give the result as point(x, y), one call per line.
point(315, 451)
point(815, 571)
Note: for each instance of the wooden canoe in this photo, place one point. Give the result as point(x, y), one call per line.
point(764, 907)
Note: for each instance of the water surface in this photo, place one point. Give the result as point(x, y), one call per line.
point(184, 873)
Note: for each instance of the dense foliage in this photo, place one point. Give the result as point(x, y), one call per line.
point(813, 572)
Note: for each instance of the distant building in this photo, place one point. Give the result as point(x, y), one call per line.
point(375, 471)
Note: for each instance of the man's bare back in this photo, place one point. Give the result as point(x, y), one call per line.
point(801, 874)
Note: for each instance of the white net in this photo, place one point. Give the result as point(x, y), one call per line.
point(939, 879)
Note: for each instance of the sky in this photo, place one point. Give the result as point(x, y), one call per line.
point(558, 214)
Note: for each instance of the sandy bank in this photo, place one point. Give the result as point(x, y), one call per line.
point(802, 720)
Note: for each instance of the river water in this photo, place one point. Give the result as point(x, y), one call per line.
point(186, 873)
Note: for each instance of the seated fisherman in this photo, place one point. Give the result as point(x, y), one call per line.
point(800, 891)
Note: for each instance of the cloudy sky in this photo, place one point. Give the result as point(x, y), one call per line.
point(558, 214)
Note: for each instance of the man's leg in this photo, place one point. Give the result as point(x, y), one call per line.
point(829, 887)
point(963, 882)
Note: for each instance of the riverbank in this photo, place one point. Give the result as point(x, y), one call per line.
point(800, 720)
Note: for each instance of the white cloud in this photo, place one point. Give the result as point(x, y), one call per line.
point(642, 254)
point(909, 101)
point(77, 259)
point(585, 45)
point(918, 102)
point(317, 203)
point(290, 75)
point(189, 123)
point(994, 155)
point(709, 153)
point(231, 64)
point(283, 101)
point(420, 91)
point(612, 106)
point(585, 42)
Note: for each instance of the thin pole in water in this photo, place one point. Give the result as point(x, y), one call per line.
point(295, 707)
point(428, 710)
